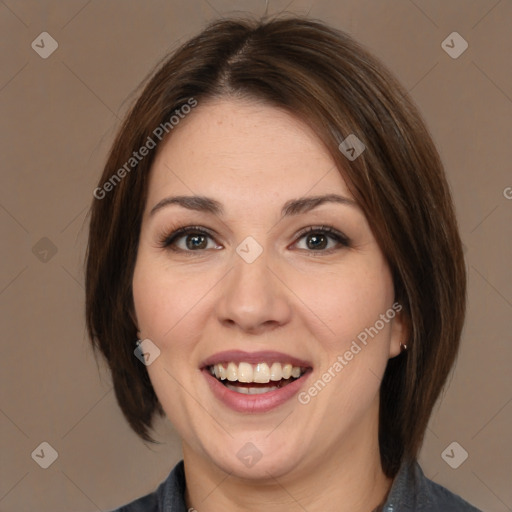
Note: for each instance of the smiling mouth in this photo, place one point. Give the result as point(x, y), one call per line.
point(255, 379)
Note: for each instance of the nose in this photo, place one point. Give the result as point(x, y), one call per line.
point(252, 297)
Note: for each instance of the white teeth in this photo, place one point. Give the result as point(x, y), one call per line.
point(295, 372)
point(245, 372)
point(276, 372)
point(222, 372)
point(260, 373)
point(231, 372)
point(287, 371)
point(251, 391)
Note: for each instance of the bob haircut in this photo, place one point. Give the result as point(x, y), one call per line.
point(324, 78)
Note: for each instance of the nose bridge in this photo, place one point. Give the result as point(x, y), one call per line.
point(252, 296)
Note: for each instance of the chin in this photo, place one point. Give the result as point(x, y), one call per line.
point(250, 463)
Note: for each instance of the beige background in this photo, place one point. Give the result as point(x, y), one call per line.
point(58, 117)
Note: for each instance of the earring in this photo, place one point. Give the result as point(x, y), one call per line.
point(403, 347)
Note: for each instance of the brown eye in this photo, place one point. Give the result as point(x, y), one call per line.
point(323, 239)
point(317, 241)
point(196, 241)
point(189, 239)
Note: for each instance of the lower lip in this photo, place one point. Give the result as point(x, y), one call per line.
point(254, 403)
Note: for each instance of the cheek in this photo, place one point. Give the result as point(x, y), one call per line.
point(345, 301)
point(165, 304)
point(163, 299)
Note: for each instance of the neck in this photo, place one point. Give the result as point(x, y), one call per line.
point(351, 477)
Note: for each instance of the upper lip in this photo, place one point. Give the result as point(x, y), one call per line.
point(267, 356)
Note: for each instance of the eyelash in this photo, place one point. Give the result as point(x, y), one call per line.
point(166, 241)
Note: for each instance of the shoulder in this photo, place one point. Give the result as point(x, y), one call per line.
point(148, 503)
point(441, 498)
point(169, 495)
point(413, 491)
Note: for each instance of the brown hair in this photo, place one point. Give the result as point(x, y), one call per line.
point(325, 78)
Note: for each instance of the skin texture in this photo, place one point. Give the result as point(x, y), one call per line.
point(309, 303)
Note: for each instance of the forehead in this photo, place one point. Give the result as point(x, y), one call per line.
point(228, 147)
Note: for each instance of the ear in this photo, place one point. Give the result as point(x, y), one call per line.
point(400, 333)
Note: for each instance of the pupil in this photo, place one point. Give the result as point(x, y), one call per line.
point(316, 241)
point(196, 242)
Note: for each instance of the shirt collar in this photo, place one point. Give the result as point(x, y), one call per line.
point(409, 491)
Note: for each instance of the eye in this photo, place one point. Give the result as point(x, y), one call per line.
point(322, 239)
point(189, 239)
point(196, 238)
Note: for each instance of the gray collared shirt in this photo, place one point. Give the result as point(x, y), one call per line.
point(411, 491)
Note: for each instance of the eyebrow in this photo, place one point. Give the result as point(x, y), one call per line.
point(292, 207)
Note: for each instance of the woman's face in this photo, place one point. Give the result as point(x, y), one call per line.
point(265, 286)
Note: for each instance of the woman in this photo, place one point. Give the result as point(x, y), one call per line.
point(274, 264)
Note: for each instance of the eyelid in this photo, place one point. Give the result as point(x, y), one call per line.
point(167, 238)
point(326, 229)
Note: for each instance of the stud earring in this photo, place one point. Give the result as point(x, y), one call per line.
point(403, 347)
